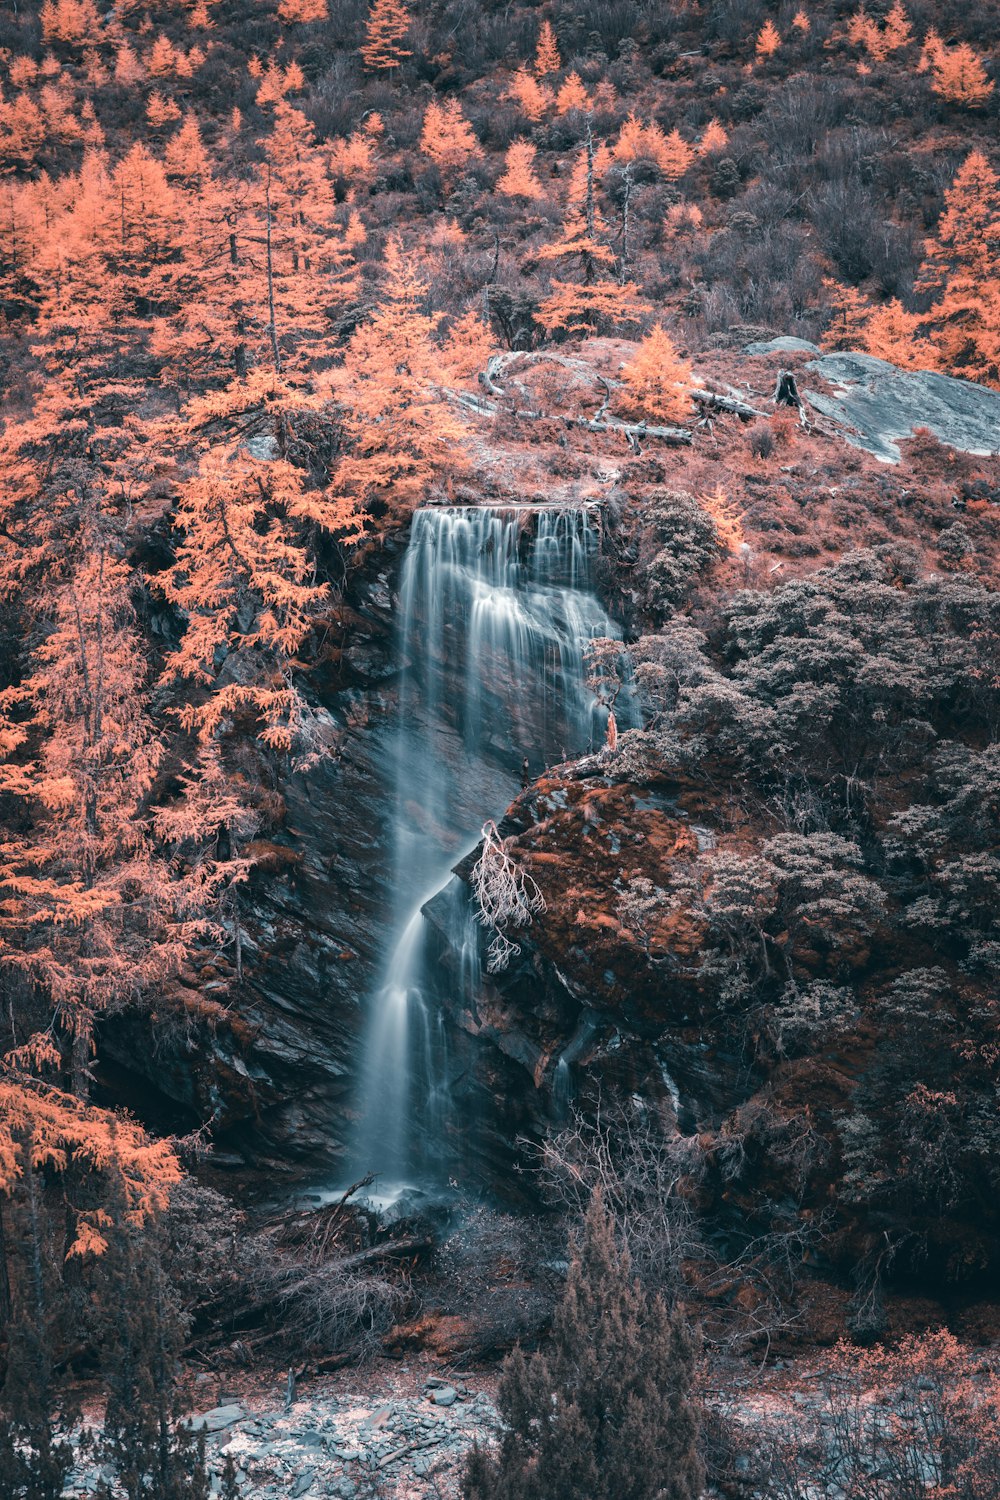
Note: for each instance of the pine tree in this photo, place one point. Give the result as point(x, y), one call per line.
point(714, 137)
point(400, 435)
point(302, 12)
point(596, 299)
point(467, 348)
point(571, 95)
point(533, 97)
point(657, 380)
point(768, 41)
point(547, 59)
point(387, 28)
point(959, 271)
point(958, 75)
point(898, 30)
point(607, 1410)
point(892, 333)
point(447, 137)
point(84, 905)
point(520, 180)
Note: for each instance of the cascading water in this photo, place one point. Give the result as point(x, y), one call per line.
point(496, 610)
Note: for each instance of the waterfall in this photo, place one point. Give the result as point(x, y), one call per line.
point(496, 609)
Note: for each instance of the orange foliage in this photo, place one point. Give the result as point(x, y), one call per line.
point(302, 12)
point(657, 380)
point(520, 180)
point(72, 22)
point(727, 517)
point(532, 96)
point(595, 300)
point(714, 137)
point(400, 434)
point(959, 76)
point(467, 348)
point(547, 59)
point(959, 271)
point(45, 1129)
point(572, 95)
point(768, 40)
point(387, 28)
point(447, 137)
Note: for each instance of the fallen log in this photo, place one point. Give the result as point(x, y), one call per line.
point(635, 432)
point(741, 409)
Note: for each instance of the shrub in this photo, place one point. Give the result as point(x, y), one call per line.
point(607, 1411)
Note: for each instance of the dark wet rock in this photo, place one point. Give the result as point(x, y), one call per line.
point(588, 999)
point(877, 404)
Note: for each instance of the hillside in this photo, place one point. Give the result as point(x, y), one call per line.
point(499, 684)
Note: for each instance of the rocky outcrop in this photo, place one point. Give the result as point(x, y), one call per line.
point(876, 405)
point(602, 993)
point(270, 1064)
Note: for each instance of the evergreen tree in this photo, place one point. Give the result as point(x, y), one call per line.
point(154, 1456)
point(606, 1412)
point(34, 1461)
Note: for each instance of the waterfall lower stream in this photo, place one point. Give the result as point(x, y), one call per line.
point(496, 610)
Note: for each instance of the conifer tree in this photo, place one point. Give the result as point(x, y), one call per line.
point(714, 137)
point(607, 1410)
point(657, 380)
point(547, 59)
point(959, 271)
point(571, 95)
point(84, 906)
point(387, 28)
point(958, 75)
point(302, 12)
point(533, 97)
point(447, 137)
point(400, 435)
point(768, 41)
point(520, 180)
point(596, 299)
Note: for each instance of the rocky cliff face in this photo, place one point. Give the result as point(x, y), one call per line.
point(274, 1072)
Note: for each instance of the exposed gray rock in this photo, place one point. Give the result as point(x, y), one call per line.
point(784, 345)
point(877, 404)
point(303, 1483)
point(219, 1418)
point(445, 1395)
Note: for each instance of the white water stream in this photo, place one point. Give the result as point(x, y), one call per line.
point(496, 610)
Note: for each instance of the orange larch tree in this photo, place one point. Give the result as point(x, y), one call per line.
point(387, 28)
point(400, 435)
point(958, 75)
point(467, 348)
point(85, 911)
point(302, 12)
point(520, 180)
point(533, 97)
point(768, 41)
point(960, 273)
point(547, 59)
point(597, 299)
point(892, 333)
point(244, 582)
point(447, 137)
point(657, 380)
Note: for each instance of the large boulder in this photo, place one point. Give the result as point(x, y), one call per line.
point(877, 404)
